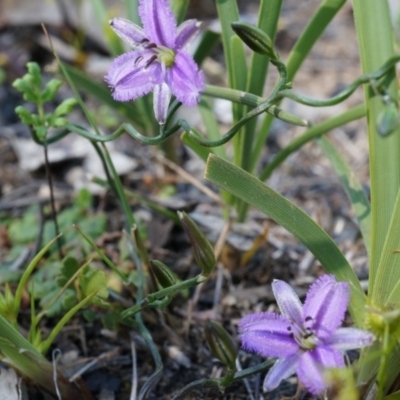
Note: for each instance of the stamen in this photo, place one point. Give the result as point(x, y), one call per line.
point(150, 46)
point(137, 61)
point(151, 60)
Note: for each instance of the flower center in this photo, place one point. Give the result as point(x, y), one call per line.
point(304, 336)
point(166, 56)
point(161, 54)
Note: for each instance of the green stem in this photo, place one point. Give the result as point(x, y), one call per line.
point(64, 320)
point(120, 190)
point(382, 373)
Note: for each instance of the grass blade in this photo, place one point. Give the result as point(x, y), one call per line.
point(251, 190)
point(352, 186)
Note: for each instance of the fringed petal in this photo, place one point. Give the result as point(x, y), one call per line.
point(187, 31)
point(350, 338)
point(267, 334)
point(185, 79)
point(288, 302)
point(128, 32)
point(326, 305)
point(282, 369)
point(161, 98)
point(159, 22)
point(131, 76)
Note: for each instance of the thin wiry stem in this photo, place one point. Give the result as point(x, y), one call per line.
point(52, 202)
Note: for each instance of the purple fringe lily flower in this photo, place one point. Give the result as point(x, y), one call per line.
point(158, 62)
point(307, 338)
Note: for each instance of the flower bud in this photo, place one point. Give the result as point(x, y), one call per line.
point(256, 39)
point(221, 344)
point(203, 252)
point(165, 277)
point(388, 120)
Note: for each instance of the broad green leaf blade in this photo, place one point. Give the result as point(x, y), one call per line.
point(235, 56)
point(352, 186)
point(388, 272)
point(239, 82)
point(375, 37)
point(268, 16)
point(251, 190)
point(321, 19)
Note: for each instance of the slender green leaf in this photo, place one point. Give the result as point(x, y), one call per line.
point(375, 37)
point(388, 272)
point(26, 359)
point(248, 188)
point(352, 186)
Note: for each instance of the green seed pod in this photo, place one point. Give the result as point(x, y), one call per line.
point(26, 89)
point(50, 90)
point(203, 252)
point(165, 277)
point(256, 39)
point(59, 122)
point(221, 344)
point(24, 115)
point(35, 73)
point(388, 119)
point(65, 107)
